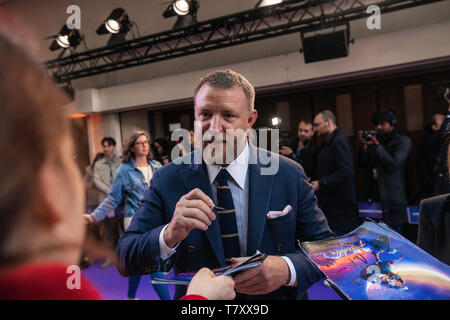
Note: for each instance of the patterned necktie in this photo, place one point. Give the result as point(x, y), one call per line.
point(227, 217)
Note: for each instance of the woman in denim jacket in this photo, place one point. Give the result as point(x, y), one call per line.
point(130, 184)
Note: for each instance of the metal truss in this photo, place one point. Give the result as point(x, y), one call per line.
point(252, 25)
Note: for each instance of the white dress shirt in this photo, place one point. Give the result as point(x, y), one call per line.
point(239, 187)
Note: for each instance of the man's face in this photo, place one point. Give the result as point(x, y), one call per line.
point(305, 131)
point(108, 149)
point(384, 127)
point(438, 119)
point(320, 126)
point(219, 110)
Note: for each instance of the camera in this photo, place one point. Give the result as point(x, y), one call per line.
point(366, 133)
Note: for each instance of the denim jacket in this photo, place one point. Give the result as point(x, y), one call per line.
point(129, 182)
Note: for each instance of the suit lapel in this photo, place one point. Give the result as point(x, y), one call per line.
point(196, 176)
point(260, 190)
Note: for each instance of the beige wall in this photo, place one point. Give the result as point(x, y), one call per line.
point(132, 121)
point(103, 125)
point(387, 49)
point(119, 126)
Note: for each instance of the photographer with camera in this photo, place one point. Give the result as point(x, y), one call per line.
point(385, 154)
point(427, 155)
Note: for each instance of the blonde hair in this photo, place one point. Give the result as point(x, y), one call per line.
point(227, 79)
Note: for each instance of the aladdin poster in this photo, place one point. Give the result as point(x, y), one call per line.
point(373, 262)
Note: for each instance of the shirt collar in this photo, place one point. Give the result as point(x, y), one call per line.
point(237, 168)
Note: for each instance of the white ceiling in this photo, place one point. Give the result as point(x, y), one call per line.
point(47, 16)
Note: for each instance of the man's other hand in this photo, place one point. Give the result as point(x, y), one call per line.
point(265, 278)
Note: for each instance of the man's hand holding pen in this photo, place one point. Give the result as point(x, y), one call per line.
point(192, 211)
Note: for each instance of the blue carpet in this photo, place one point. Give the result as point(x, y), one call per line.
point(112, 286)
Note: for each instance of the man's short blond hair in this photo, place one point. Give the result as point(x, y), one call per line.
point(227, 79)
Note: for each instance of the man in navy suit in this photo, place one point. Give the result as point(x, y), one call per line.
point(176, 227)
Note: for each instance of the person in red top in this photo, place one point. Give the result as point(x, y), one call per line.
point(42, 192)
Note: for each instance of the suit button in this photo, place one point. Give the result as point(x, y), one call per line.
point(279, 247)
point(190, 249)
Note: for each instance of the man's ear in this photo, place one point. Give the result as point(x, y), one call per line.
point(329, 123)
point(252, 118)
point(48, 194)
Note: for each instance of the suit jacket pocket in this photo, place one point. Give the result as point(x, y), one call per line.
point(279, 220)
point(281, 230)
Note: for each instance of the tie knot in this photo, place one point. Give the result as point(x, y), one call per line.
point(222, 177)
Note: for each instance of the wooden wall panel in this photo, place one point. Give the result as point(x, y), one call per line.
point(344, 113)
point(413, 107)
point(267, 109)
point(300, 107)
point(323, 100)
point(283, 112)
point(390, 94)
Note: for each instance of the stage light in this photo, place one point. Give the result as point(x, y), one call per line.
point(112, 26)
point(65, 39)
point(266, 3)
point(276, 121)
point(181, 7)
point(186, 12)
point(117, 24)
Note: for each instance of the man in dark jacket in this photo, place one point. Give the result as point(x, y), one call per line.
point(441, 139)
point(434, 224)
point(388, 152)
point(335, 185)
point(434, 227)
point(304, 151)
point(428, 154)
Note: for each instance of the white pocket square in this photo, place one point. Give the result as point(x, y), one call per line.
point(277, 214)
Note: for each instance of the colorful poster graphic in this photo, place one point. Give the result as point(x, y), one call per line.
point(373, 262)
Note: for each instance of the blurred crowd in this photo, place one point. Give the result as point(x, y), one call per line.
point(383, 156)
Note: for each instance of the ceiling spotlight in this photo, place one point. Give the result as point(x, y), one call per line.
point(181, 7)
point(112, 26)
point(266, 3)
point(186, 12)
point(65, 39)
point(117, 24)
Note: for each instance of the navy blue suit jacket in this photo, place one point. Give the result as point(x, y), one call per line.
point(138, 247)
